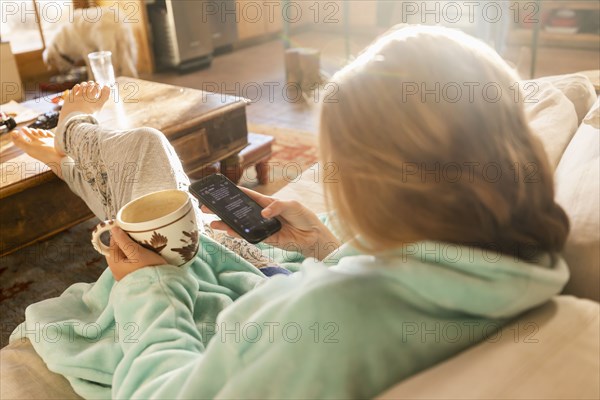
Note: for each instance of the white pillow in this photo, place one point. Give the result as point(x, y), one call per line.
point(577, 180)
point(551, 116)
point(579, 90)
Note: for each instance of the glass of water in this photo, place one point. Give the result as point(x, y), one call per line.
point(102, 68)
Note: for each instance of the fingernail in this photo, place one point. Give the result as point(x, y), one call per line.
point(266, 213)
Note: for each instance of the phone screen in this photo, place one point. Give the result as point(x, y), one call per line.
point(234, 207)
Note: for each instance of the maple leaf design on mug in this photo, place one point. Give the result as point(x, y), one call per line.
point(188, 251)
point(157, 242)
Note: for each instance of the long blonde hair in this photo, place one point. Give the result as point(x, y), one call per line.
point(430, 140)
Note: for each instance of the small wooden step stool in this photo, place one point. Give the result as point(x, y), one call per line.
point(257, 154)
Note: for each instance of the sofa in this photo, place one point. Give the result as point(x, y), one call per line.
point(551, 352)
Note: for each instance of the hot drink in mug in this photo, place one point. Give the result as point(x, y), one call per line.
point(164, 222)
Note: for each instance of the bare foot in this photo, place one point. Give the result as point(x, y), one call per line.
point(87, 97)
point(39, 144)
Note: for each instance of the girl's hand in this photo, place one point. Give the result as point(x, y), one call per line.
point(301, 228)
point(127, 256)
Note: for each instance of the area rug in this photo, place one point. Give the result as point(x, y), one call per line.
point(293, 153)
point(46, 269)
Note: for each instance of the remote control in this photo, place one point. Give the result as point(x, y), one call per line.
point(47, 120)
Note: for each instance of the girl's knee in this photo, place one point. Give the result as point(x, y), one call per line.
point(147, 139)
point(151, 136)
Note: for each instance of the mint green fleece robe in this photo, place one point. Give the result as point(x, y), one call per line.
point(348, 328)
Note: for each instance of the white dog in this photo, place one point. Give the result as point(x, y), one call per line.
point(94, 29)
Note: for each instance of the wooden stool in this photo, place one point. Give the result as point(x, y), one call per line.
point(257, 154)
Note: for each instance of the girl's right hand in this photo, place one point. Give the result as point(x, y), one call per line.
point(301, 228)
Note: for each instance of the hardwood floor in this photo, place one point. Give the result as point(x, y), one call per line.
point(258, 73)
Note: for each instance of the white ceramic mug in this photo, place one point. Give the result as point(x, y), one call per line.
point(164, 222)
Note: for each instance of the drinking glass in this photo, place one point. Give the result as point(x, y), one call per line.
point(102, 67)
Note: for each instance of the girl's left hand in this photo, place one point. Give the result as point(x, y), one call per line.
point(127, 256)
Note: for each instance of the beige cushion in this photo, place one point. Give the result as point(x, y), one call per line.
point(578, 192)
point(549, 353)
point(579, 90)
point(552, 118)
point(25, 375)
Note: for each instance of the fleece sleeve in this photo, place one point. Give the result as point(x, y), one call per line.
point(160, 341)
point(166, 358)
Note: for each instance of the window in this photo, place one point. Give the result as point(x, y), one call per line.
point(29, 25)
point(19, 26)
point(53, 14)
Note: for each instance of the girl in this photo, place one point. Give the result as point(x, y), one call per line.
point(445, 238)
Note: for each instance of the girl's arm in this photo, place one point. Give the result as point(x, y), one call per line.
point(166, 342)
point(167, 358)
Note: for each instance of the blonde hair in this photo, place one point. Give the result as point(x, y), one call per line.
point(417, 159)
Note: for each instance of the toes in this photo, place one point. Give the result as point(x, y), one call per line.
point(83, 93)
point(82, 89)
point(90, 91)
point(18, 138)
point(104, 94)
point(29, 133)
point(74, 92)
point(94, 91)
point(37, 133)
point(45, 133)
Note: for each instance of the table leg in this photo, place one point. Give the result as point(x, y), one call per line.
point(231, 168)
point(262, 171)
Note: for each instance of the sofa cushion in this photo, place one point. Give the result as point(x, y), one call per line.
point(552, 118)
point(548, 353)
point(26, 376)
point(578, 192)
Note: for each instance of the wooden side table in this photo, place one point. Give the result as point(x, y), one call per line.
point(203, 128)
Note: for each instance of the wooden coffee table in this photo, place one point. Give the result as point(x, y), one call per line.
point(204, 128)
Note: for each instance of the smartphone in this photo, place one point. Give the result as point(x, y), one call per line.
point(234, 207)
